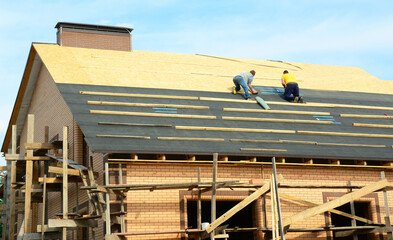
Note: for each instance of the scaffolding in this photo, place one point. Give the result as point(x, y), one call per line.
point(40, 171)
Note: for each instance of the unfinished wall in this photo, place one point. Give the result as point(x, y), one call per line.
point(163, 210)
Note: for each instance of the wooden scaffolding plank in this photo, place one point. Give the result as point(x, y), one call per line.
point(311, 204)
point(335, 203)
point(265, 188)
point(59, 170)
point(65, 179)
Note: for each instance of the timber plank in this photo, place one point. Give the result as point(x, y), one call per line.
point(264, 189)
point(147, 105)
point(335, 203)
point(59, 170)
point(152, 114)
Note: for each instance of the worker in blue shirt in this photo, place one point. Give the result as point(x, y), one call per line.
point(241, 80)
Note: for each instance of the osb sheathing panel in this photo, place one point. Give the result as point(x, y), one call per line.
point(193, 72)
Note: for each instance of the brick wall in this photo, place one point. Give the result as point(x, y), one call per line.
point(50, 109)
point(162, 209)
point(94, 40)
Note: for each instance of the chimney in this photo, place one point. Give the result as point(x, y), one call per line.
point(93, 36)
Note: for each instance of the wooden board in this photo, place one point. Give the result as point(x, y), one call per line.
point(264, 189)
point(152, 114)
point(335, 203)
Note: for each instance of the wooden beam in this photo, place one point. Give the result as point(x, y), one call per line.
point(335, 203)
point(135, 124)
point(145, 114)
point(262, 150)
point(11, 157)
point(275, 120)
point(199, 206)
point(65, 179)
point(365, 116)
point(223, 158)
point(161, 157)
point(43, 209)
point(71, 223)
point(108, 206)
point(213, 198)
point(346, 134)
point(129, 104)
point(122, 217)
point(190, 157)
point(12, 221)
point(264, 189)
point(350, 145)
point(191, 139)
point(311, 204)
point(307, 161)
point(372, 125)
point(275, 111)
point(334, 161)
point(233, 129)
point(121, 136)
point(137, 95)
point(29, 175)
point(58, 170)
point(37, 158)
point(36, 146)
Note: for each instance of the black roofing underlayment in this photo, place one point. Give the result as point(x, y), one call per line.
point(155, 127)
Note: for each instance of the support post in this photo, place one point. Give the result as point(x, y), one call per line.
point(199, 206)
point(43, 225)
point(65, 178)
point(387, 217)
point(11, 226)
point(213, 200)
point(29, 174)
point(122, 221)
point(107, 210)
point(278, 200)
point(352, 205)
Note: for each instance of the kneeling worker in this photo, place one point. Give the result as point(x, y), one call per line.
point(291, 88)
point(241, 80)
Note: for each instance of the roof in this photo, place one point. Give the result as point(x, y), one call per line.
point(142, 120)
point(193, 72)
point(152, 102)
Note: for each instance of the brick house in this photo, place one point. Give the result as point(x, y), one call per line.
point(162, 118)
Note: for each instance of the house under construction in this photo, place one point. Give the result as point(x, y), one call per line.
point(107, 142)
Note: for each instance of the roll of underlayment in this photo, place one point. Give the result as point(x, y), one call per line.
point(262, 103)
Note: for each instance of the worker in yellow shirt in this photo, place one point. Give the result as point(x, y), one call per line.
point(291, 88)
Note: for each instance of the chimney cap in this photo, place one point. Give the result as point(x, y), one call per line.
point(93, 27)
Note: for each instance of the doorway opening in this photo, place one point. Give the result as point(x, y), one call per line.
point(242, 219)
point(362, 209)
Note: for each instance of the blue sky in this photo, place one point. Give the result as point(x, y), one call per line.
point(356, 33)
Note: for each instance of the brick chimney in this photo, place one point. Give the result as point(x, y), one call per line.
point(93, 36)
